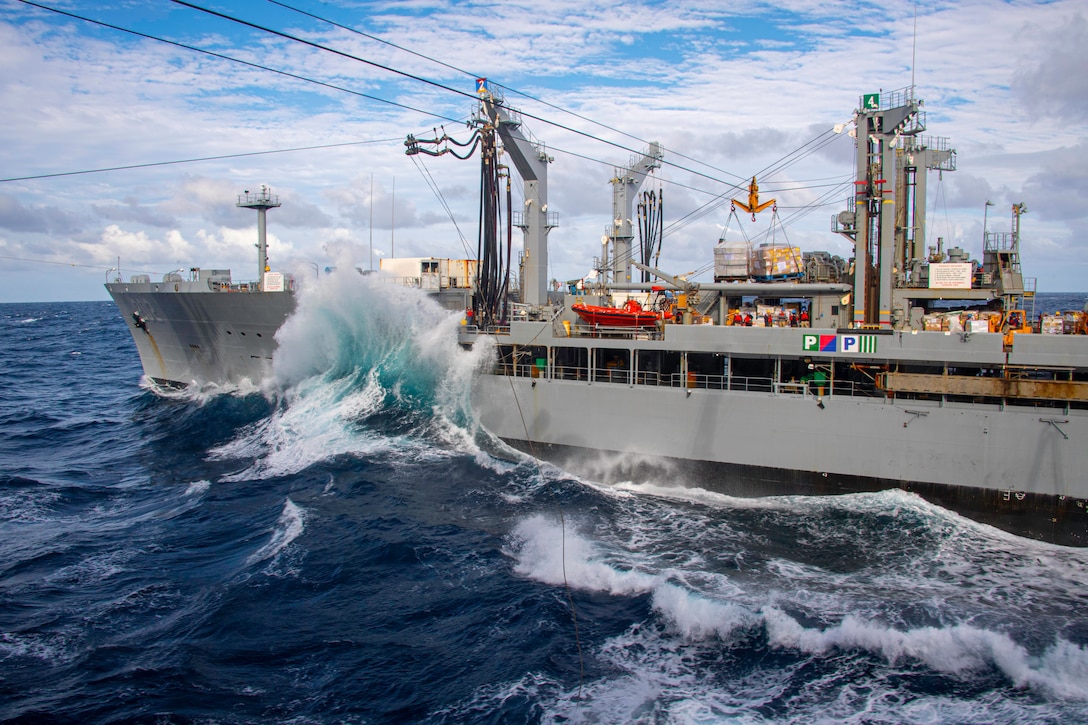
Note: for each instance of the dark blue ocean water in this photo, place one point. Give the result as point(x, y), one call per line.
point(342, 546)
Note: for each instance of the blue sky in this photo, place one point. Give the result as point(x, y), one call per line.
point(729, 92)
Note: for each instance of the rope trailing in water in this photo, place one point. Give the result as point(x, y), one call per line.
point(563, 545)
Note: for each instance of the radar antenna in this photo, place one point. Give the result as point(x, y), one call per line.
point(262, 201)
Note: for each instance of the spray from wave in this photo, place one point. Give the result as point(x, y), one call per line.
point(362, 366)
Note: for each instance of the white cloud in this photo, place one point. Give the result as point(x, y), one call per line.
point(730, 92)
point(115, 242)
point(1050, 78)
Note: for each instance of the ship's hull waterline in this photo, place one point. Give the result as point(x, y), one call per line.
point(1008, 466)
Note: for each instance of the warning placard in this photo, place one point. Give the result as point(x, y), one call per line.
point(273, 281)
point(950, 276)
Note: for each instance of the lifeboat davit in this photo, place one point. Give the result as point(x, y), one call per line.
point(630, 315)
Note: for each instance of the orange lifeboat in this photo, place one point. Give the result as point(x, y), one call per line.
point(631, 314)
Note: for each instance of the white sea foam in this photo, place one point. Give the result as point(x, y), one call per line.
point(984, 602)
point(317, 423)
point(700, 617)
point(498, 465)
point(648, 678)
point(91, 569)
point(289, 527)
point(556, 553)
point(890, 500)
point(196, 488)
point(54, 647)
point(21, 506)
point(202, 394)
point(553, 552)
point(1062, 669)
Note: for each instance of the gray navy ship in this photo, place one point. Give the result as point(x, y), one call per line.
point(792, 373)
point(202, 329)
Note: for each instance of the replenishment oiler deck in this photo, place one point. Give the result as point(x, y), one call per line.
point(919, 369)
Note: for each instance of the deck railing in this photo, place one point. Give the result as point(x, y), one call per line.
point(691, 381)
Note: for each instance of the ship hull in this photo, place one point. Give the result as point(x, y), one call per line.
point(200, 338)
point(1002, 465)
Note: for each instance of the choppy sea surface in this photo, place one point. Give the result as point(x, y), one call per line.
point(340, 544)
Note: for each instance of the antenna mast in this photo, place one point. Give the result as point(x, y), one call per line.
point(914, 50)
point(262, 201)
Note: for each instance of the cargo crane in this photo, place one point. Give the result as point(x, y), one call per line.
point(896, 277)
point(531, 160)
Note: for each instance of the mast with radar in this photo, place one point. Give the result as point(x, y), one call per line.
point(262, 201)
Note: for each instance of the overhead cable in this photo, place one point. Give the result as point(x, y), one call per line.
point(470, 74)
point(193, 161)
